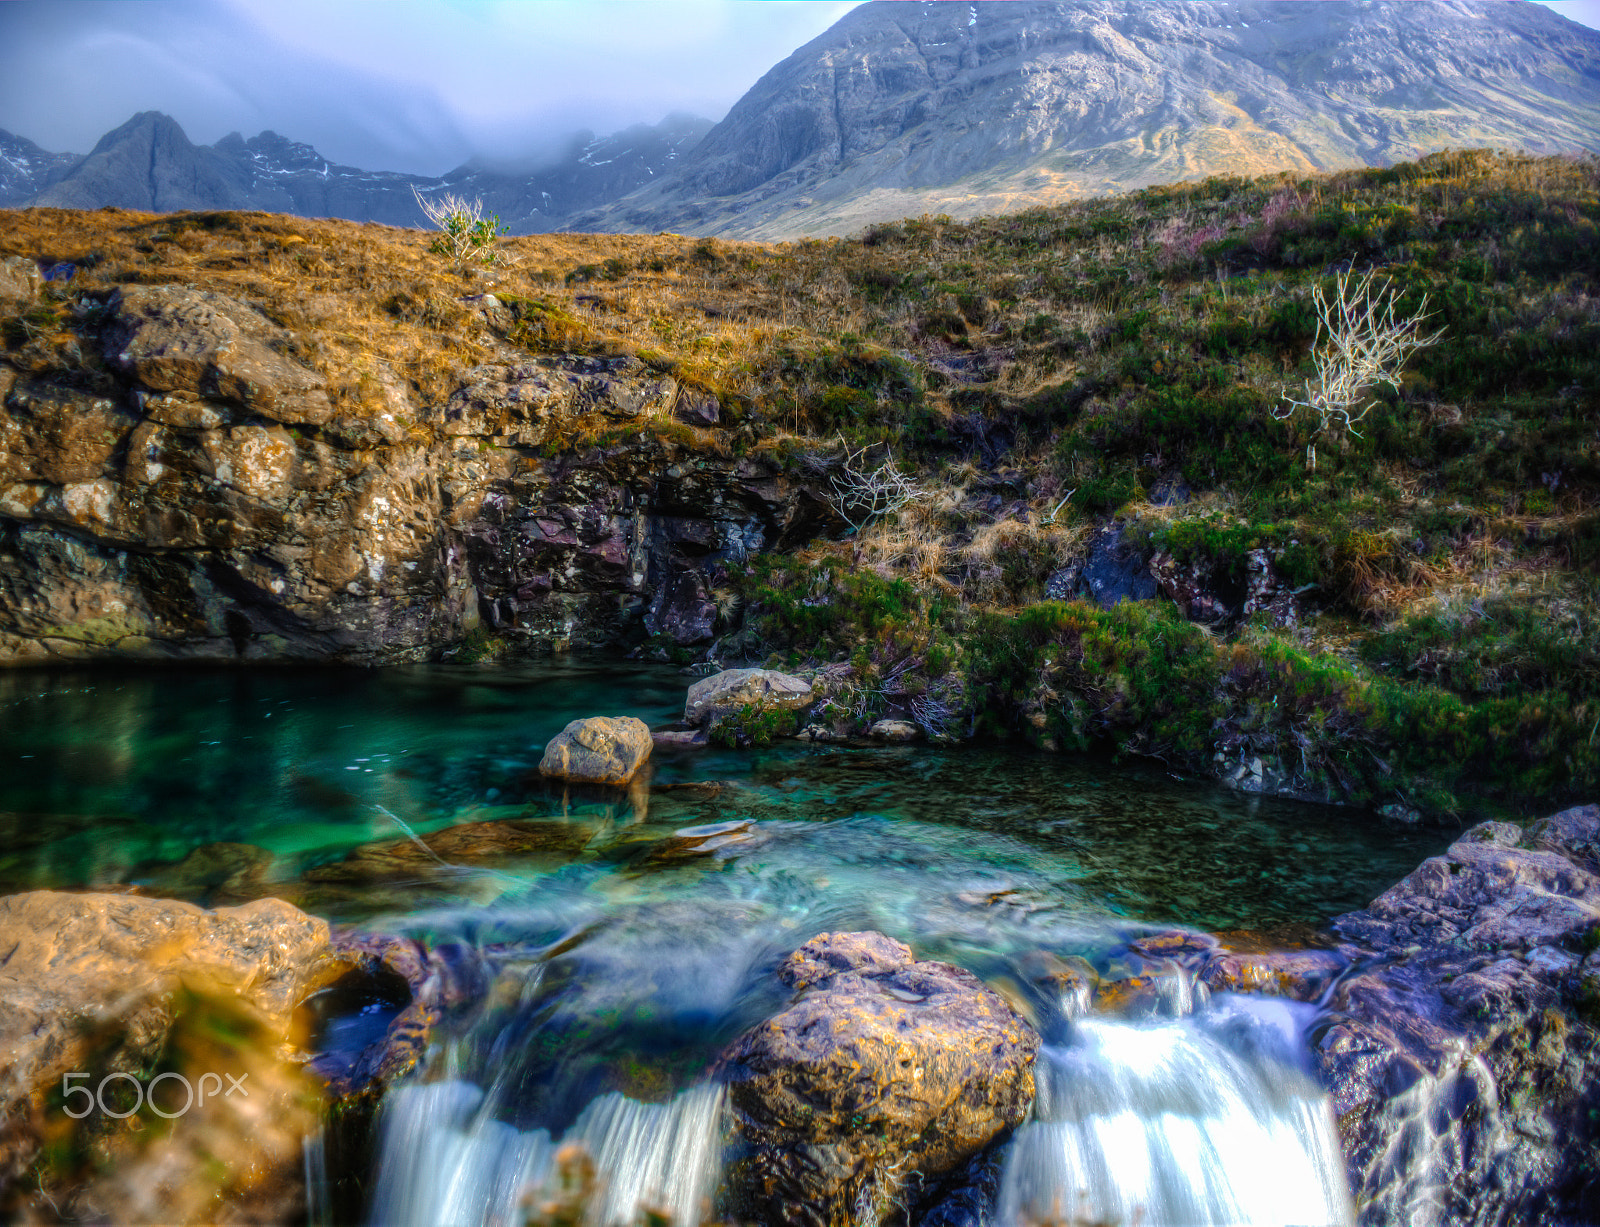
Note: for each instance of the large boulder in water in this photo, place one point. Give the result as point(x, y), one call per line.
point(883, 1075)
point(712, 699)
point(598, 750)
point(1463, 1053)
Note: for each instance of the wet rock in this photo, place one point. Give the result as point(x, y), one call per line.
point(713, 699)
point(1303, 975)
point(1463, 1055)
point(1062, 988)
point(212, 874)
point(177, 339)
point(682, 738)
point(1169, 993)
point(707, 839)
point(472, 843)
point(19, 284)
point(409, 985)
point(884, 1074)
point(598, 750)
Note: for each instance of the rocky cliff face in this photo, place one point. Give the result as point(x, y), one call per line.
point(905, 108)
point(191, 490)
point(150, 164)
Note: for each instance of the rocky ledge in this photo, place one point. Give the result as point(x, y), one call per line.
point(1463, 1048)
point(192, 492)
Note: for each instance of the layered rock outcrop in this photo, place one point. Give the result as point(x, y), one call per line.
point(197, 495)
point(1463, 1050)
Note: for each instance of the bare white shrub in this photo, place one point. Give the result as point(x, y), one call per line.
point(464, 232)
point(1360, 343)
point(860, 494)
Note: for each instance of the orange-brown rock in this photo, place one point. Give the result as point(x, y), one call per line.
point(125, 990)
point(598, 750)
point(74, 960)
point(177, 339)
point(885, 1072)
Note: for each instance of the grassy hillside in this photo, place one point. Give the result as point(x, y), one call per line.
point(1040, 375)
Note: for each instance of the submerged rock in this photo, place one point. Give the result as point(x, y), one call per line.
point(884, 1073)
point(598, 750)
point(1464, 1056)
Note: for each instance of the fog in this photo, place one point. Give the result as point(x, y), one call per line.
point(409, 85)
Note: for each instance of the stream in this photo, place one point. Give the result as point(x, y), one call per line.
point(617, 940)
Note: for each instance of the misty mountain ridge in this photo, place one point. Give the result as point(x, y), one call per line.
point(969, 109)
point(150, 164)
point(903, 108)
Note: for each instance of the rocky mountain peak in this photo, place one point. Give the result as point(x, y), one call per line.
point(900, 108)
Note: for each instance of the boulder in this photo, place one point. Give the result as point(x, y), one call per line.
point(1463, 1049)
point(884, 1074)
point(598, 750)
point(116, 987)
point(19, 284)
point(1115, 572)
point(176, 339)
point(713, 699)
point(893, 731)
point(75, 960)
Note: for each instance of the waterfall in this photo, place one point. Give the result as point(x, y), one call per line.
point(447, 1162)
point(664, 1157)
point(1202, 1121)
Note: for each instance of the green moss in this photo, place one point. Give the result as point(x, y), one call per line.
point(754, 725)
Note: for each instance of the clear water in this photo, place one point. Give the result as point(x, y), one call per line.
point(310, 764)
point(621, 938)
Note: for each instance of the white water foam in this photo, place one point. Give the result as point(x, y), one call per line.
point(1201, 1122)
point(446, 1162)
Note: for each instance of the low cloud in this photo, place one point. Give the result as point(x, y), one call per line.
point(413, 85)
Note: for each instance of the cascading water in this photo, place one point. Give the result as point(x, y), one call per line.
point(447, 1162)
point(614, 949)
point(1204, 1121)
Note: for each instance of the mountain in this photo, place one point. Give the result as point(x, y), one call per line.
point(26, 170)
point(150, 164)
point(904, 108)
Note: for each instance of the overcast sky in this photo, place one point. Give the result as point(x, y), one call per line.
point(409, 85)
